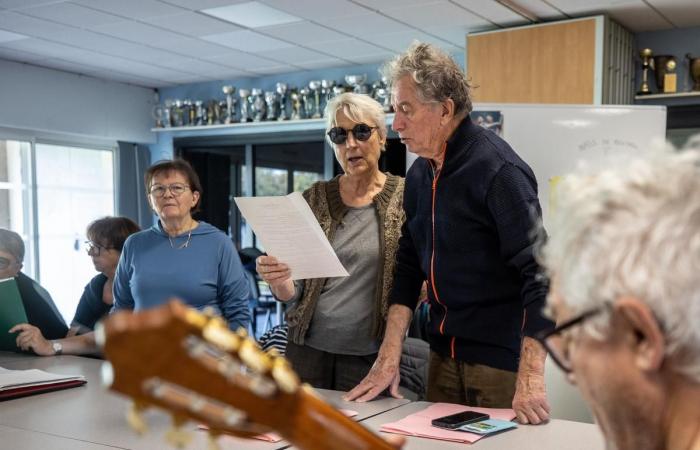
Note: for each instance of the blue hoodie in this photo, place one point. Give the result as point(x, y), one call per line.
point(208, 272)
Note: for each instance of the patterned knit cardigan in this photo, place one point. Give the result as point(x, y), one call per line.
point(324, 199)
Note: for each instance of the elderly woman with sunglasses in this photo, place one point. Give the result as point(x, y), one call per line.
point(106, 240)
point(336, 324)
point(180, 257)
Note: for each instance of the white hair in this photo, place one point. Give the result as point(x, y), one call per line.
point(634, 231)
point(359, 108)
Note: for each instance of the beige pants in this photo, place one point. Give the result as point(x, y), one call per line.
point(453, 381)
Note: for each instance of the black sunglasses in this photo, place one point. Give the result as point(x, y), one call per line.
point(361, 132)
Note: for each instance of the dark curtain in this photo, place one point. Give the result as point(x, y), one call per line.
point(214, 172)
point(132, 162)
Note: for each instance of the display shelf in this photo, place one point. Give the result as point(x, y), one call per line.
point(667, 96)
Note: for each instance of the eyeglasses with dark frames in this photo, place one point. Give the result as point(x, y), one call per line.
point(361, 132)
point(555, 343)
point(94, 249)
point(177, 189)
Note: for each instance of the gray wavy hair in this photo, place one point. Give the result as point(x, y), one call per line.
point(634, 231)
point(437, 76)
point(359, 108)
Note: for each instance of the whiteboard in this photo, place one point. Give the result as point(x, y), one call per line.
point(554, 139)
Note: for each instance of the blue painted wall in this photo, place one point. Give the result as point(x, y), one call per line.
point(675, 42)
point(204, 91)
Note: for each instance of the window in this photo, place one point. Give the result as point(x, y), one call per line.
point(74, 186)
point(16, 205)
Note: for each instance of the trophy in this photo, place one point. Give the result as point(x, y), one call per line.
point(176, 114)
point(188, 112)
point(665, 71)
point(327, 90)
point(271, 99)
point(281, 89)
point(161, 114)
point(647, 64)
point(230, 103)
point(382, 94)
point(338, 89)
point(200, 113)
point(244, 94)
point(297, 104)
point(357, 83)
point(315, 87)
point(307, 103)
point(694, 66)
point(258, 104)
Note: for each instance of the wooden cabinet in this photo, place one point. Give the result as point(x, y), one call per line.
point(581, 61)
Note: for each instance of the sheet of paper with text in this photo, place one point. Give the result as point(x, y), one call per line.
point(289, 231)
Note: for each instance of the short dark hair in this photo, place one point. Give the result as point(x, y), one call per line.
point(167, 166)
point(12, 243)
point(111, 231)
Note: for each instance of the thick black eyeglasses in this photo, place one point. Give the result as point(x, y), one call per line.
point(361, 132)
point(556, 345)
point(95, 249)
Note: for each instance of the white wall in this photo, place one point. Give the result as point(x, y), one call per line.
point(55, 103)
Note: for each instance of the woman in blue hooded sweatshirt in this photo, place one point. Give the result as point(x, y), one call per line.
point(180, 257)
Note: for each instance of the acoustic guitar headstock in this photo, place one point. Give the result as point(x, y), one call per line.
point(189, 363)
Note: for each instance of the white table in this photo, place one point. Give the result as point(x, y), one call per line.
point(555, 435)
point(94, 415)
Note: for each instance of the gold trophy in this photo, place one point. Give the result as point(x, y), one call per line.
point(665, 70)
point(694, 66)
point(647, 64)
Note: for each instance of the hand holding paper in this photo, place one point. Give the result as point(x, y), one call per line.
point(288, 229)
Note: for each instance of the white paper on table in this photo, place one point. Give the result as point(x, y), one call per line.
point(289, 231)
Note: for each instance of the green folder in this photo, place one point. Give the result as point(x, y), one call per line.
point(11, 313)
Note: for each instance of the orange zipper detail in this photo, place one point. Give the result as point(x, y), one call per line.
point(432, 255)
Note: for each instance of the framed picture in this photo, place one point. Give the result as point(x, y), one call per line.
point(491, 120)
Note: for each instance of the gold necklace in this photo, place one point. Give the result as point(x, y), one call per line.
point(185, 245)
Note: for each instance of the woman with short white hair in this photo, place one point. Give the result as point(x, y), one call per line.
point(336, 324)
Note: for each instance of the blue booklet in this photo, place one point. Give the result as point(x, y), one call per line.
point(489, 426)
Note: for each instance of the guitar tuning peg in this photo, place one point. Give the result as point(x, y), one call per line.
point(286, 378)
point(196, 318)
point(210, 312)
point(253, 357)
point(273, 352)
point(134, 417)
point(242, 333)
point(220, 336)
point(212, 441)
point(176, 436)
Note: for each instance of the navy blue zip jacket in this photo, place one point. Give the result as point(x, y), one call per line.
point(468, 232)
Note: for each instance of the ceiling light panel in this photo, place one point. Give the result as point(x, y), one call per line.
point(251, 15)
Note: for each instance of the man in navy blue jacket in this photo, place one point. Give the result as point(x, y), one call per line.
point(471, 205)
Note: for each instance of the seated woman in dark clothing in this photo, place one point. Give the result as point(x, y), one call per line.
point(38, 304)
point(106, 240)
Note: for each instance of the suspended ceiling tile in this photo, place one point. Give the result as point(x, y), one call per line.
point(682, 13)
point(437, 14)
point(455, 35)
point(293, 55)
point(371, 59)
point(322, 64)
point(71, 14)
point(134, 9)
point(243, 61)
point(193, 47)
point(19, 4)
point(400, 41)
point(540, 9)
point(321, 11)
point(8, 36)
point(247, 40)
point(302, 33)
point(31, 26)
point(11, 54)
point(493, 11)
point(202, 4)
point(252, 15)
point(371, 23)
point(274, 70)
point(130, 30)
point(192, 24)
point(382, 5)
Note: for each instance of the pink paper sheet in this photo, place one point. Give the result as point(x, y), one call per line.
point(418, 424)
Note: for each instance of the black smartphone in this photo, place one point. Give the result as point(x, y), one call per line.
point(457, 420)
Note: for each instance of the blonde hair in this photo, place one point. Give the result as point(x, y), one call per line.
point(359, 108)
